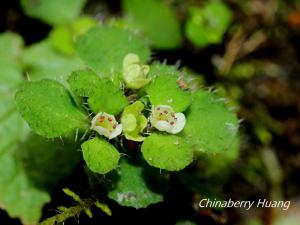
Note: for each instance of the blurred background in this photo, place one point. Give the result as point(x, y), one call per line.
point(248, 51)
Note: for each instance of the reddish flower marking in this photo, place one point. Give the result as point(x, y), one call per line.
point(182, 84)
point(167, 120)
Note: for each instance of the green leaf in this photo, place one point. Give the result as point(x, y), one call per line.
point(156, 20)
point(210, 126)
point(16, 191)
point(168, 152)
point(24, 177)
point(196, 34)
point(164, 90)
point(17, 194)
point(34, 173)
point(218, 14)
point(192, 80)
point(11, 46)
point(42, 61)
point(159, 69)
point(11, 75)
point(62, 37)
point(10, 79)
point(108, 98)
point(103, 95)
point(83, 24)
point(46, 162)
point(100, 156)
point(104, 49)
point(53, 11)
point(207, 25)
point(219, 162)
point(49, 109)
point(83, 83)
point(129, 186)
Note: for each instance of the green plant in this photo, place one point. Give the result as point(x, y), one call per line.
point(204, 24)
point(92, 88)
point(181, 125)
point(207, 25)
point(165, 36)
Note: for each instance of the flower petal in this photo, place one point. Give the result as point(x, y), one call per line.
point(102, 131)
point(179, 124)
point(116, 132)
point(163, 126)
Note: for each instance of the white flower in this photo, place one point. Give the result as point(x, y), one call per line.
point(163, 118)
point(106, 125)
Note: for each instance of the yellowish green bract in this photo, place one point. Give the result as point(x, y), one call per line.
point(134, 74)
point(133, 121)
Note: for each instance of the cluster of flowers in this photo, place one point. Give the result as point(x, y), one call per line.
point(133, 122)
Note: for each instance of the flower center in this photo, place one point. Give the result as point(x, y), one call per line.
point(107, 122)
point(165, 114)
